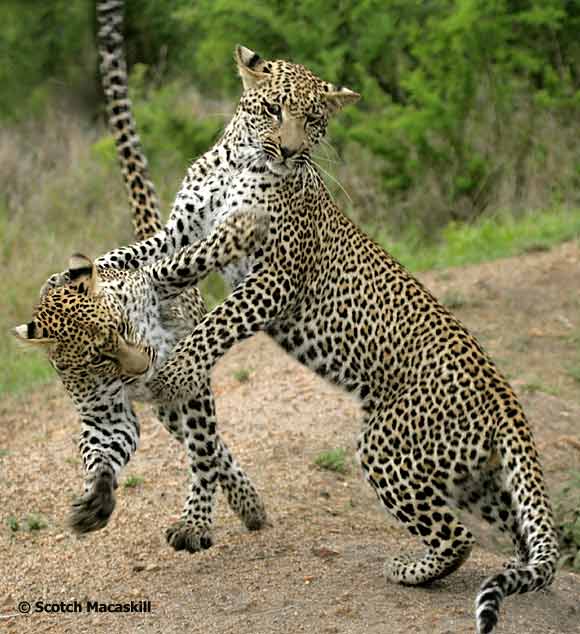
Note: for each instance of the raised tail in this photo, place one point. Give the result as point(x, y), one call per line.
point(537, 539)
point(140, 189)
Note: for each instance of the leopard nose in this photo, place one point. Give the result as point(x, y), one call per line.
point(286, 152)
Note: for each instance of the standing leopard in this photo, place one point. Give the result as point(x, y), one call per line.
point(441, 426)
point(106, 333)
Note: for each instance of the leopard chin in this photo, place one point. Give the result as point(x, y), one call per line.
point(279, 169)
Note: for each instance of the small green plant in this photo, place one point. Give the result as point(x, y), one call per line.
point(133, 481)
point(242, 375)
point(574, 372)
point(4, 453)
point(568, 520)
point(454, 299)
point(520, 344)
point(12, 523)
point(35, 522)
point(535, 386)
point(332, 460)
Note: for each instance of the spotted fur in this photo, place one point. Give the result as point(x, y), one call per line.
point(106, 333)
point(140, 189)
point(441, 426)
point(85, 326)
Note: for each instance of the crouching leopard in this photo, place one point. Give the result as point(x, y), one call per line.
point(106, 333)
point(441, 426)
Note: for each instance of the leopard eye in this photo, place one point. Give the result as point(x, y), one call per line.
point(273, 109)
point(101, 359)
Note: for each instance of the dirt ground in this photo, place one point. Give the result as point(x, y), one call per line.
point(318, 568)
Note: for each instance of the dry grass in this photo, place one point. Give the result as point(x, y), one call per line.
point(58, 199)
point(63, 193)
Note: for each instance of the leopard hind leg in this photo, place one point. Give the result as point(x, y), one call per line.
point(240, 492)
point(405, 487)
point(489, 499)
point(193, 423)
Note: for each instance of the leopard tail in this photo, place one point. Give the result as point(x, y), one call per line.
point(113, 67)
point(539, 550)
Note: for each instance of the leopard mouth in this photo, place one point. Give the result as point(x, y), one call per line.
point(280, 167)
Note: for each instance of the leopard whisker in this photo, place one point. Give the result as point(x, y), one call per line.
point(335, 180)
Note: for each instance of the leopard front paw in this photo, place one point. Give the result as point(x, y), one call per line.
point(92, 511)
point(250, 227)
point(184, 535)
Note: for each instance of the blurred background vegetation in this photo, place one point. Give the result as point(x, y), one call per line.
point(464, 146)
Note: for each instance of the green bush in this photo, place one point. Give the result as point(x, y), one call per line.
point(468, 105)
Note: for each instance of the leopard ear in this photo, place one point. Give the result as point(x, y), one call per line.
point(133, 360)
point(27, 335)
point(82, 274)
point(250, 66)
point(337, 97)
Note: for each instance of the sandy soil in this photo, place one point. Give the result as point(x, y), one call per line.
point(318, 568)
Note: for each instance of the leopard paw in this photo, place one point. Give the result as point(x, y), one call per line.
point(254, 517)
point(251, 227)
point(92, 511)
point(183, 535)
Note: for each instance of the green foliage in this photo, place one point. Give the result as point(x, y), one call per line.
point(568, 517)
point(13, 523)
point(133, 481)
point(168, 123)
point(35, 522)
point(242, 375)
point(488, 239)
point(446, 85)
point(458, 95)
point(45, 48)
point(333, 460)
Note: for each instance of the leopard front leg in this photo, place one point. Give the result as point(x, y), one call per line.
point(253, 305)
point(236, 237)
point(106, 445)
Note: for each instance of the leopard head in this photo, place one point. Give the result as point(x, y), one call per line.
point(286, 108)
point(81, 332)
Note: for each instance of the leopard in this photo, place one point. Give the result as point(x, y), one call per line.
point(442, 430)
point(105, 332)
point(99, 308)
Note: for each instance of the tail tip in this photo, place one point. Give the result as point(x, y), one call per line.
point(486, 621)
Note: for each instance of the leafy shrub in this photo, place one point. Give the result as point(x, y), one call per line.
point(468, 105)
